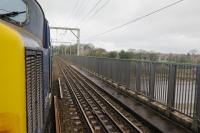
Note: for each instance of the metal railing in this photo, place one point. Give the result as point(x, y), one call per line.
point(177, 86)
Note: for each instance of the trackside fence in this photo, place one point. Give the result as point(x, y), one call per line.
point(177, 86)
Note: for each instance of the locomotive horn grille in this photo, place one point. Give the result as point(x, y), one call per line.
point(34, 93)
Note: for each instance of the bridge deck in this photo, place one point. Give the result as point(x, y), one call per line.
point(148, 114)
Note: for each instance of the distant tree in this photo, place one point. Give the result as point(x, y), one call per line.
point(98, 52)
point(153, 56)
point(112, 54)
point(125, 55)
point(122, 54)
point(171, 58)
point(88, 46)
point(198, 60)
point(193, 57)
point(132, 50)
point(193, 51)
point(89, 50)
point(142, 56)
point(183, 59)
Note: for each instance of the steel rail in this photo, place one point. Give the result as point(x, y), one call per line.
point(60, 88)
point(109, 104)
point(78, 103)
point(101, 109)
point(133, 126)
point(105, 129)
point(57, 119)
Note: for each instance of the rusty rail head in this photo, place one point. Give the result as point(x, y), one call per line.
point(60, 88)
point(57, 118)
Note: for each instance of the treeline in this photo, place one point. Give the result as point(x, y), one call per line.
point(192, 57)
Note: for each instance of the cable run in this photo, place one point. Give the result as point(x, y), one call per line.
point(73, 11)
point(137, 19)
point(98, 10)
point(91, 10)
point(81, 5)
point(82, 9)
point(4, 10)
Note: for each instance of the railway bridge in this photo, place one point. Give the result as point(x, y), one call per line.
point(115, 95)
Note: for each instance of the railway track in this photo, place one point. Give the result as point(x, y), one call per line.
point(99, 112)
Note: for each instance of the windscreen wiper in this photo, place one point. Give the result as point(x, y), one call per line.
point(11, 14)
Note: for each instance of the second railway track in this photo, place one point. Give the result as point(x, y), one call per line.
point(99, 112)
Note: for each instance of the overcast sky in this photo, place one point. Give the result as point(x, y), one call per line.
point(176, 29)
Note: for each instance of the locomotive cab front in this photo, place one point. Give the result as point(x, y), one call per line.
point(25, 67)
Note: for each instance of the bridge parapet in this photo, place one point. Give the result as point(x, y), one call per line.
point(176, 87)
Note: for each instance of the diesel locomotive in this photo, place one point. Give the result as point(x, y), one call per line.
point(25, 67)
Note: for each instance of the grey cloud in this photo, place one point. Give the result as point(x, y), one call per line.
point(176, 29)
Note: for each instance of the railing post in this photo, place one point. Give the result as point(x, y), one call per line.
point(171, 87)
point(152, 81)
point(138, 77)
point(128, 74)
point(118, 71)
point(196, 117)
point(131, 76)
point(97, 66)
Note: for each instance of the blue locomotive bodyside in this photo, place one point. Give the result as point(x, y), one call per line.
point(30, 42)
